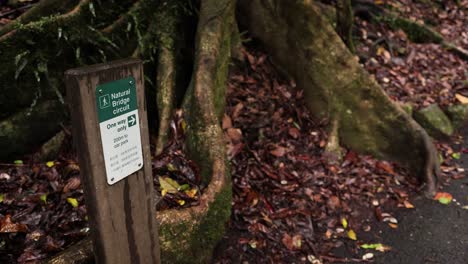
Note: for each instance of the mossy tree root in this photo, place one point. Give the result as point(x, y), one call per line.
point(416, 32)
point(336, 86)
point(32, 124)
point(189, 235)
point(166, 34)
point(39, 10)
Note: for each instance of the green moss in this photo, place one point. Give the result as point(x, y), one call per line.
point(24, 130)
point(35, 55)
point(416, 32)
point(194, 242)
point(59, 43)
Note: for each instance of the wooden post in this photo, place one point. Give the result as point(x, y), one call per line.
point(107, 105)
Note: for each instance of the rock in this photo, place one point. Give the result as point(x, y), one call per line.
point(458, 114)
point(434, 120)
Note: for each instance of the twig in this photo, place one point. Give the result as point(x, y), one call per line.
point(15, 10)
point(344, 260)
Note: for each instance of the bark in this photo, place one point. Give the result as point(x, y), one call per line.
point(345, 20)
point(337, 87)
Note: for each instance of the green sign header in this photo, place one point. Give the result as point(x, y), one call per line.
point(116, 98)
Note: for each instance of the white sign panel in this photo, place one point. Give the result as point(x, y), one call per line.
point(120, 130)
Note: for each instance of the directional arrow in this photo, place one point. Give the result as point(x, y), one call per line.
point(131, 120)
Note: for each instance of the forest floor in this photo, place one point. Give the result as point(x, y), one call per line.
point(292, 201)
point(358, 208)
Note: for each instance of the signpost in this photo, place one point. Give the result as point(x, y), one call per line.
point(110, 131)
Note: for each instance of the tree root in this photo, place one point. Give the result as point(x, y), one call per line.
point(336, 86)
point(79, 253)
point(416, 32)
point(23, 130)
point(333, 151)
point(41, 9)
point(188, 235)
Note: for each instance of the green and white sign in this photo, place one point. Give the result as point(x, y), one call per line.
point(117, 108)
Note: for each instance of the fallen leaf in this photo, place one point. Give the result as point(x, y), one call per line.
point(443, 197)
point(393, 225)
point(344, 222)
point(191, 193)
point(380, 51)
point(171, 167)
point(72, 184)
point(408, 204)
point(352, 235)
point(383, 248)
point(181, 202)
point(227, 122)
point(334, 202)
point(7, 226)
point(72, 201)
point(287, 241)
point(50, 164)
point(462, 99)
point(278, 151)
point(390, 219)
point(4, 176)
point(297, 241)
point(44, 198)
point(184, 187)
point(294, 132)
point(385, 166)
point(367, 256)
point(253, 243)
point(234, 134)
point(456, 155)
point(379, 247)
point(169, 184)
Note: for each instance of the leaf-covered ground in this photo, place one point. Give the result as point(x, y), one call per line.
point(419, 74)
point(291, 204)
point(42, 208)
point(449, 18)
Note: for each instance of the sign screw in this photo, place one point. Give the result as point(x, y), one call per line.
point(130, 82)
point(100, 91)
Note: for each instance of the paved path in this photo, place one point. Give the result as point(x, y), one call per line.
point(432, 233)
